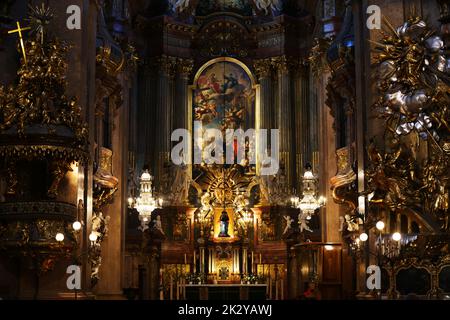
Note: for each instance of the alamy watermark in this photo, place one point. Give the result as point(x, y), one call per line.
point(242, 147)
point(374, 20)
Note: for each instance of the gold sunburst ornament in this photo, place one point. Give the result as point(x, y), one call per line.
point(39, 19)
point(413, 79)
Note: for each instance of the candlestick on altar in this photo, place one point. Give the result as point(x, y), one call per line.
point(276, 289)
point(185, 259)
point(260, 259)
point(270, 288)
point(195, 264)
point(161, 290)
point(171, 288)
point(253, 265)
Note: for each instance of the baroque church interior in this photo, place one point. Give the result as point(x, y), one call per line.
point(228, 149)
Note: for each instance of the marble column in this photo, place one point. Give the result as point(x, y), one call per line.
point(184, 69)
point(146, 110)
point(263, 71)
point(285, 119)
point(302, 123)
point(163, 112)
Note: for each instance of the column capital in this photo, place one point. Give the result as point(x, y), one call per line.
point(166, 64)
point(184, 67)
point(284, 64)
point(262, 68)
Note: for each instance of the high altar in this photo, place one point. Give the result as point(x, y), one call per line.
point(226, 223)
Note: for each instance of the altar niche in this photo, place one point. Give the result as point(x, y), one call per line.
point(224, 231)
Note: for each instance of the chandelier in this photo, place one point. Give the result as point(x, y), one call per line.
point(145, 203)
point(309, 203)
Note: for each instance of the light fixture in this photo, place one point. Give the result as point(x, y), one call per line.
point(396, 236)
point(76, 225)
point(59, 237)
point(145, 204)
point(363, 237)
point(247, 216)
point(93, 237)
point(380, 225)
point(309, 203)
point(328, 247)
point(362, 205)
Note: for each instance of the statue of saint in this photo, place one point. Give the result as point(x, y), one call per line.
point(224, 220)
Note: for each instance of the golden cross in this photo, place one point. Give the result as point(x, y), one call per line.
point(19, 30)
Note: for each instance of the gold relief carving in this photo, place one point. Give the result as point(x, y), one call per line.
point(167, 65)
point(39, 97)
point(281, 64)
point(105, 187)
point(343, 179)
point(343, 160)
point(106, 160)
point(185, 66)
point(413, 83)
point(104, 176)
point(216, 179)
point(317, 56)
point(263, 68)
point(104, 58)
point(11, 178)
point(58, 168)
point(286, 64)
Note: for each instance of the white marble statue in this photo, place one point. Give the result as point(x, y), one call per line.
point(303, 222)
point(205, 201)
point(179, 5)
point(158, 224)
point(289, 221)
point(341, 223)
point(264, 5)
point(352, 225)
point(180, 185)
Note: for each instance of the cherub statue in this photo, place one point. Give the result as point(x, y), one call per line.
point(100, 225)
point(158, 225)
point(341, 223)
point(303, 222)
point(289, 221)
point(144, 224)
point(352, 224)
point(179, 6)
point(205, 201)
point(240, 203)
point(264, 5)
